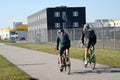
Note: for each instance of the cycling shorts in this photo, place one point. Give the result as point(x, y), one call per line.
point(62, 49)
point(90, 42)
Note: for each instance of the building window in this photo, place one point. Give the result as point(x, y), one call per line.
point(75, 24)
point(38, 17)
point(75, 13)
point(56, 14)
point(57, 25)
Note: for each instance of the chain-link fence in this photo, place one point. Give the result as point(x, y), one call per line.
point(74, 35)
point(107, 37)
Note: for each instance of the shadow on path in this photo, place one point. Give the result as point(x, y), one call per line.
point(98, 70)
point(32, 64)
point(32, 79)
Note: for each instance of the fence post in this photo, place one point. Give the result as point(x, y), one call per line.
point(114, 38)
point(73, 34)
point(51, 35)
point(102, 34)
point(114, 33)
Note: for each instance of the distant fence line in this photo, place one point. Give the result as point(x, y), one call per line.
point(107, 37)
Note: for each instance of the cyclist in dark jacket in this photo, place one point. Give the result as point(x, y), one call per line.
point(63, 44)
point(88, 39)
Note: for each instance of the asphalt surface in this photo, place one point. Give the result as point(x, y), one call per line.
point(43, 66)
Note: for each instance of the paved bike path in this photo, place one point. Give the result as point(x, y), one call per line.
point(43, 66)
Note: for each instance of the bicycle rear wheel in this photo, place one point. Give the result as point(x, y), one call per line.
point(93, 62)
point(68, 66)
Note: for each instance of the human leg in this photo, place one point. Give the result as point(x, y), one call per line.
point(86, 53)
point(61, 50)
point(93, 46)
point(60, 60)
point(87, 46)
point(67, 52)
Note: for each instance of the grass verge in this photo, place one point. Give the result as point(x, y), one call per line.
point(105, 57)
point(8, 71)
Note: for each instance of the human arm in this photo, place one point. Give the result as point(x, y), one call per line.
point(82, 39)
point(57, 46)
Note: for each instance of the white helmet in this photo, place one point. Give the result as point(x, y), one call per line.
point(86, 27)
point(60, 30)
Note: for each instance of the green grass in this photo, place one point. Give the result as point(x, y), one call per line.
point(4, 41)
point(8, 71)
point(106, 57)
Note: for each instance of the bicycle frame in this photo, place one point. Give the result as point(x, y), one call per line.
point(66, 66)
point(91, 58)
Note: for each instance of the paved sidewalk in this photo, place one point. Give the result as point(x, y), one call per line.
point(43, 66)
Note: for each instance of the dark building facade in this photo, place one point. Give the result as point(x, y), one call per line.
point(65, 17)
point(52, 19)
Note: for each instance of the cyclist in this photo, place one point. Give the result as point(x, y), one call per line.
point(88, 39)
point(63, 44)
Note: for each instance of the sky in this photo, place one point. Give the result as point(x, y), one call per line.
point(18, 10)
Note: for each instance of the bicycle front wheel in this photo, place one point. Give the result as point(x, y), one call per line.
point(93, 62)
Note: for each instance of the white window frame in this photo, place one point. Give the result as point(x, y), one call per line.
point(57, 25)
point(75, 13)
point(75, 24)
point(56, 14)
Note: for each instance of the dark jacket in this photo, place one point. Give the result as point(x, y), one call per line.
point(88, 35)
point(63, 39)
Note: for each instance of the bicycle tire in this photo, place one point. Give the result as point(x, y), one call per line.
point(93, 62)
point(68, 66)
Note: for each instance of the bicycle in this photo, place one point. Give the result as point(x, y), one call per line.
point(66, 64)
point(91, 59)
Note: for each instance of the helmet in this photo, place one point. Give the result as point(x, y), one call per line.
point(86, 27)
point(61, 30)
